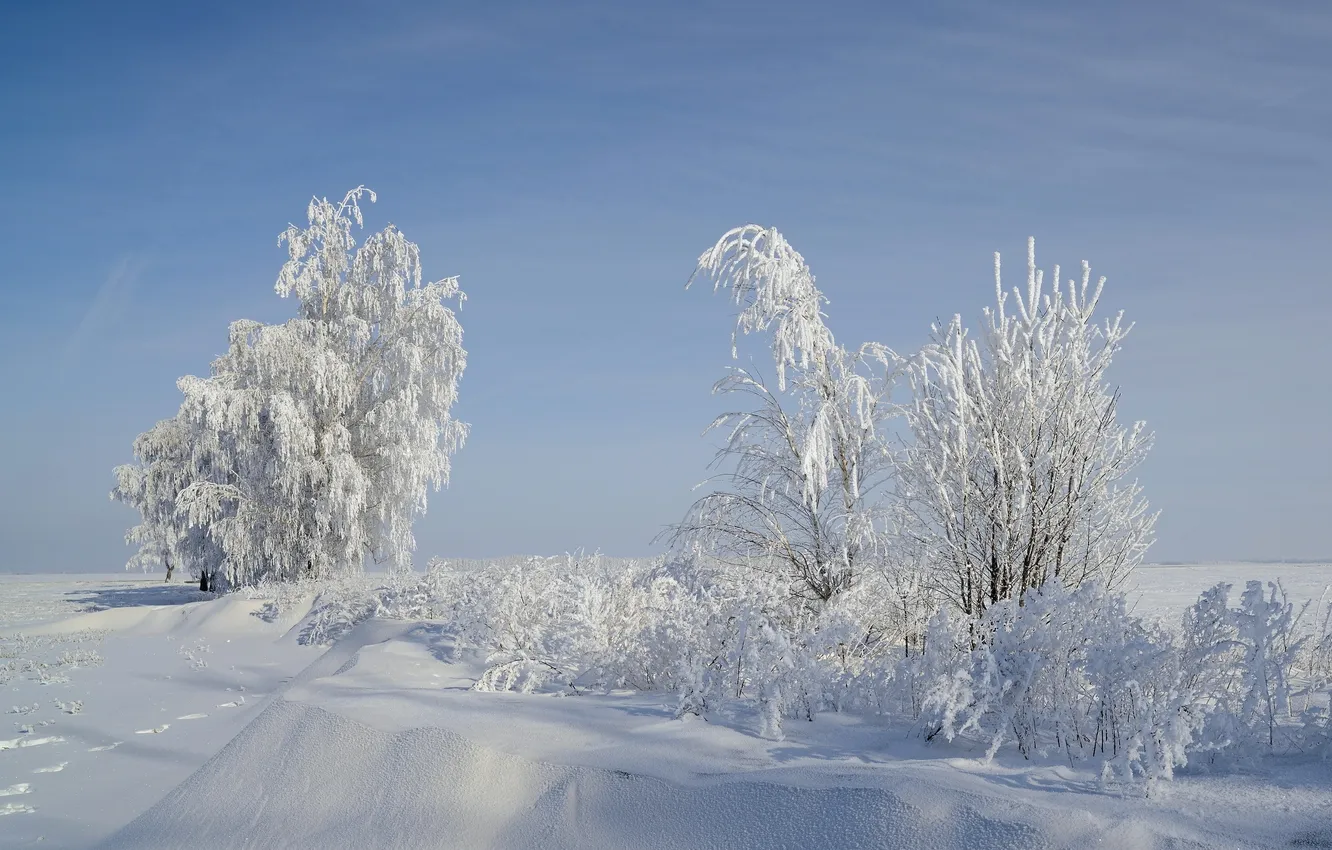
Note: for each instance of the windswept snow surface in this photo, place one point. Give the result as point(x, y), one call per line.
point(377, 741)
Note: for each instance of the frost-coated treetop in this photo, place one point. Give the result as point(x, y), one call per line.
point(771, 283)
point(313, 443)
point(333, 279)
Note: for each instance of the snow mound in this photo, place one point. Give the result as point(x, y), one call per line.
point(300, 776)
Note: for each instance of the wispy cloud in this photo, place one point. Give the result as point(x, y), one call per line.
point(108, 305)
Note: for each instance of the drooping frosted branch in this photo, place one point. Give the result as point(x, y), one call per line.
point(771, 283)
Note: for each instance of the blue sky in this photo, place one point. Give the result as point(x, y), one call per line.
point(571, 160)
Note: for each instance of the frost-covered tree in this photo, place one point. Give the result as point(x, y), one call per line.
point(805, 461)
point(313, 443)
point(1017, 473)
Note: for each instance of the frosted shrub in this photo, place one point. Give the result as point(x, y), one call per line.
point(1070, 670)
point(935, 684)
point(338, 608)
point(758, 643)
point(345, 602)
point(1064, 670)
point(578, 621)
point(1241, 661)
point(1264, 625)
point(279, 597)
point(737, 649)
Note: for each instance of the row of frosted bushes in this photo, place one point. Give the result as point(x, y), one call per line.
point(1067, 672)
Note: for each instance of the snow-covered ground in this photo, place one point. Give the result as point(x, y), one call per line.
point(132, 687)
point(146, 715)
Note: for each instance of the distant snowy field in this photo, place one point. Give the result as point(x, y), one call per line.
point(1163, 592)
point(136, 714)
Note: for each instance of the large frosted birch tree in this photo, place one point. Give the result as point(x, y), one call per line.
point(311, 446)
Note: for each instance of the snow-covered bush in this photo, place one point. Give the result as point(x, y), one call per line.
point(1065, 670)
point(578, 621)
point(756, 642)
point(581, 623)
point(340, 604)
point(1264, 627)
point(1241, 662)
point(343, 602)
point(574, 622)
point(740, 647)
point(1069, 670)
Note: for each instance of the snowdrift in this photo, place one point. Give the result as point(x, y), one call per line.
point(302, 777)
